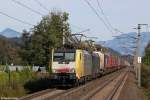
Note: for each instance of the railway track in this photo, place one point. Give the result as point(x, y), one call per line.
point(83, 92)
point(80, 92)
point(109, 90)
point(42, 95)
point(114, 94)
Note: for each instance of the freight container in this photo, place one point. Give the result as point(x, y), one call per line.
point(106, 61)
point(95, 65)
point(87, 63)
point(102, 62)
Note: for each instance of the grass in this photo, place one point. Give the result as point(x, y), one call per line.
point(21, 83)
point(146, 80)
point(12, 84)
point(147, 94)
point(12, 89)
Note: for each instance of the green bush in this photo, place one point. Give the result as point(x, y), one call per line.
point(145, 76)
point(22, 83)
point(146, 80)
point(37, 84)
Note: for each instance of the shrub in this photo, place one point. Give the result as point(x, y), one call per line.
point(22, 83)
point(37, 84)
point(145, 76)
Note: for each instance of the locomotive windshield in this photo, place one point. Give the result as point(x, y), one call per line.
point(64, 56)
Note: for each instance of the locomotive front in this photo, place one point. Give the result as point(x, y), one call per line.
point(63, 66)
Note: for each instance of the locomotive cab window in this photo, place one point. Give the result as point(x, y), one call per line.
point(70, 56)
point(58, 56)
point(65, 56)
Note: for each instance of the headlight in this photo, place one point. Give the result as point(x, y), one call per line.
point(54, 71)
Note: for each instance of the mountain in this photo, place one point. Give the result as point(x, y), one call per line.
point(118, 43)
point(10, 33)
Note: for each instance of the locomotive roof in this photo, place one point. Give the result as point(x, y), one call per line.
point(65, 50)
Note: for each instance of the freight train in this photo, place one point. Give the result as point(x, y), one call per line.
point(76, 66)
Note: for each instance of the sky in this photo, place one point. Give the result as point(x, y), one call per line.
point(122, 14)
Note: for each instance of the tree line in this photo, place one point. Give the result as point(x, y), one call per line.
point(146, 71)
point(36, 45)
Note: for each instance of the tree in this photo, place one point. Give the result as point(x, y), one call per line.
point(9, 52)
point(146, 58)
point(47, 35)
point(25, 39)
point(146, 68)
point(26, 51)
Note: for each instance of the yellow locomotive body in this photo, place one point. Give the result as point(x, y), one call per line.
point(71, 66)
point(75, 66)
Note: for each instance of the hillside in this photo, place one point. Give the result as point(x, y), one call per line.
point(9, 51)
point(10, 33)
point(117, 44)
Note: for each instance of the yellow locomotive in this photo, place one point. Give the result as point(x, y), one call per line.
point(71, 66)
point(75, 66)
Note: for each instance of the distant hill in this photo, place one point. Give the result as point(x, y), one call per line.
point(113, 51)
point(10, 33)
point(9, 51)
point(117, 43)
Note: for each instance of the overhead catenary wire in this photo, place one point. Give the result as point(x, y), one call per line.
point(25, 6)
point(99, 17)
point(40, 4)
point(43, 6)
point(16, 19)
point(105, 17)
point(37, 12)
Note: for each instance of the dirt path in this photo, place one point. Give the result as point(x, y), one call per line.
point(130, 90)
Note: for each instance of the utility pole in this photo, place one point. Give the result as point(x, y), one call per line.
point(138, 54)
point(134, 62)
point(63, 33)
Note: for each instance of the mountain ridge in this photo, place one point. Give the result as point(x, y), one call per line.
point(10, 33)
point(118, 43)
